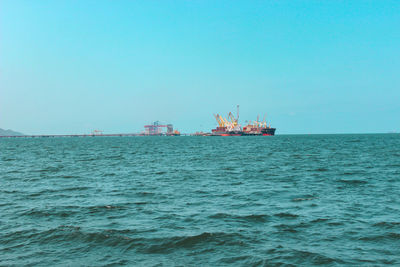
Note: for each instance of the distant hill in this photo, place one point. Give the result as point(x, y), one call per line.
point(9, 133)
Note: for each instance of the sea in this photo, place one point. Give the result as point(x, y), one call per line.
point(285, 200)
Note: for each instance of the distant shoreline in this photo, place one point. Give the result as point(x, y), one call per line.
point(144, 135)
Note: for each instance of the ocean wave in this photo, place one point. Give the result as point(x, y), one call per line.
point(352, 182)
point(145, 194)
point(354, 141)
point(337, 223)
point(167, 244)
point(8, 159)
point(108, 174)
point(385, 236)
point(318, 220)
point(69, 233)
point(237, 259)
point(286, 215)
point(303, 256)
point(13, 171)
point(321, 170)
point(76, 188)
point(53, 169)
point(280, 256)
point(68, 176)
point(286, 228)
point(249, 218)
point(48, 213)
point(123, 239)
point(48, 192)
point(101, 208)
point(305, 198)
point(387, 224)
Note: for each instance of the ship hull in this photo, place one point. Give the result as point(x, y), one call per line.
point(263, 132)
point(227, 133)
point(268, 131)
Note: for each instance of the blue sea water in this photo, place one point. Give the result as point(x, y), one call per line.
point(200, 201)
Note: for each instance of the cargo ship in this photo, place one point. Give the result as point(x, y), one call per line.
point(264, 132)
point(223, 131)
point(230, 127)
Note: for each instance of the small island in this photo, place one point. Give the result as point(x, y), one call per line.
point(9, 133)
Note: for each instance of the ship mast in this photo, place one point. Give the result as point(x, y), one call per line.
point(237, 114)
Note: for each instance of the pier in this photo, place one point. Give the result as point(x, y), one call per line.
point(84, 135)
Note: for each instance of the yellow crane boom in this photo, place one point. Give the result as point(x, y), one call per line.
point(219, 121)
point(232, 118)
point(225, 121)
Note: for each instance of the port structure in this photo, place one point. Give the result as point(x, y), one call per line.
point(97, 132)
point(153, 129)
point(160, 129)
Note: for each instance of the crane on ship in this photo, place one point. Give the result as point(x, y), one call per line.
point(264, 123)
point(230, 123)
point(232, 118)
point(220, 123)
point(237, 113)
point(226, 122)
point(257, 124)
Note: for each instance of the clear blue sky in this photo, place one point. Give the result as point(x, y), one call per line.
point(312, 66)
